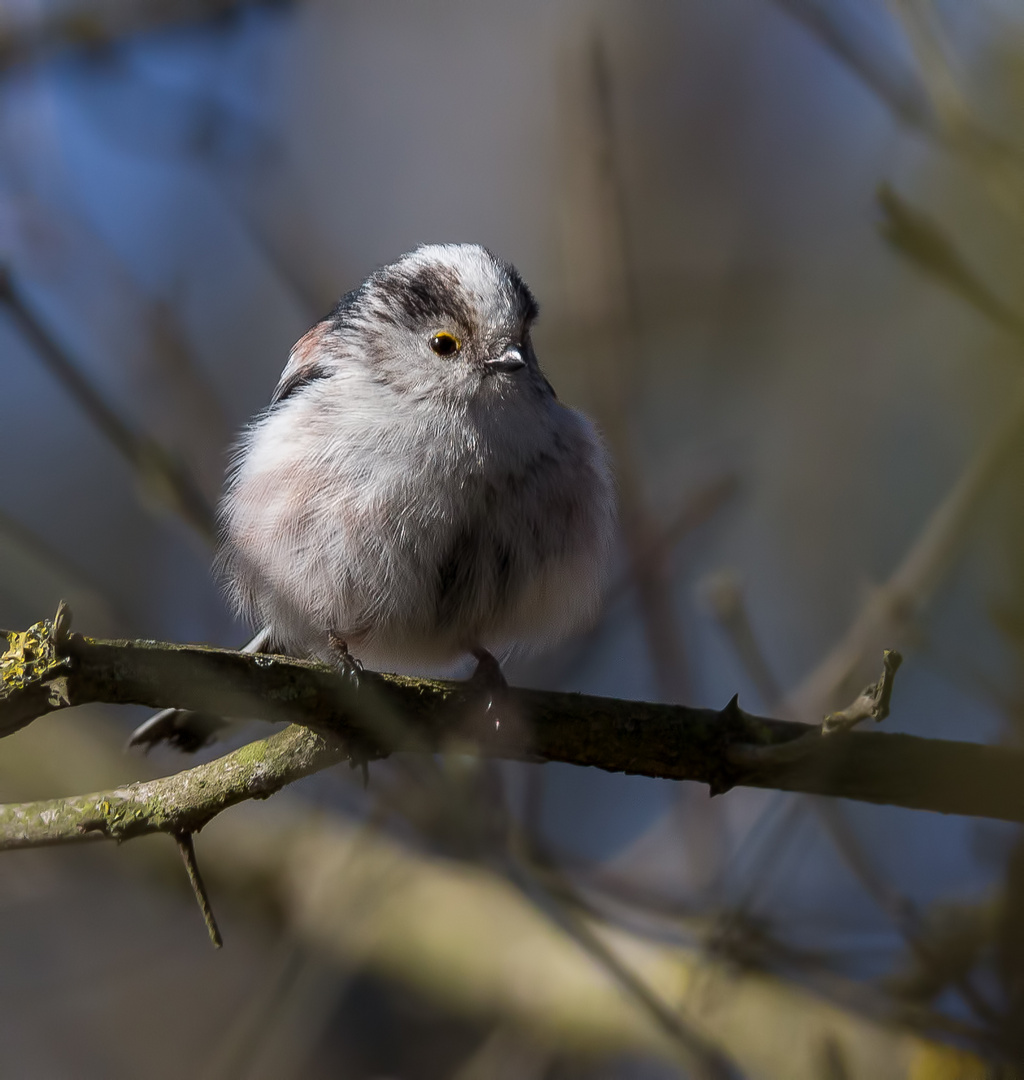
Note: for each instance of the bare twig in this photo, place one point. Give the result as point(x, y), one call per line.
point(848, 34)
point(723, 595)
point(901, 910)
point(703, 1060)
point(145, 351)
point(917, 237)
point(871, 704)
point(195, 879)
point(30, 571)
point(178, 804)
point(163, 477)
point(895, 605)
point(462, 934)
point(925, 100)
point(694, 510)
point(603, 280)
point(472, 940)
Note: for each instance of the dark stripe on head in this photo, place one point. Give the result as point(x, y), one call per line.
point(433, 286)
point(424, 297)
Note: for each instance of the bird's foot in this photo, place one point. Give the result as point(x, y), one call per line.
point(358, 754)
point(183, 729)
point(347, 663)
point(490, 683)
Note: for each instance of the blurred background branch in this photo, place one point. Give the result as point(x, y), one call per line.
point(32, 32)
point(361, 899)
point(161, 476)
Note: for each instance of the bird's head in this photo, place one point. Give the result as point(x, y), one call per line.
point(446, 321)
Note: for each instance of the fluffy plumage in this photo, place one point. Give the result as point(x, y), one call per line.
point(419, 506)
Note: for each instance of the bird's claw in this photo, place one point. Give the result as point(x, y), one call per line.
point(490, 682)
point(348, 665)
point(184, 729)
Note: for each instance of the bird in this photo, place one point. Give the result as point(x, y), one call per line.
point(416, 493)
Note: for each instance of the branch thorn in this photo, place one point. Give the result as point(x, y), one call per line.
point(188, 857)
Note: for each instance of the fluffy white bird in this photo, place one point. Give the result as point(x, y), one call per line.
point(415, 491)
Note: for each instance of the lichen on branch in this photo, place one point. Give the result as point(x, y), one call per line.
point(182, 803)
point(46, 668)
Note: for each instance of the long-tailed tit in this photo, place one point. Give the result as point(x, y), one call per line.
point(415, 491)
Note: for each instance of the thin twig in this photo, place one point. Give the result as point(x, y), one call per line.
point(846, 32)
point(722, 593)
point(901, 910)
point(894, 606)
point(554, 896)
point(695, 509)
point(359, 898)
point(162, 475)
point(725, 597)
point(195, 879)
point(871, 704)
point(182, 803)
point(32, 569)
point(925, 100)
point(602, 253)
point(922, 240)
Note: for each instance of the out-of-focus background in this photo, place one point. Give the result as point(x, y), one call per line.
point(779, 249)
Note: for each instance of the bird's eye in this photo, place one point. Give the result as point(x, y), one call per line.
point(445, 344)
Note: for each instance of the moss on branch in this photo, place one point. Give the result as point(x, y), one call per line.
point(379, 714)
point(182, 803)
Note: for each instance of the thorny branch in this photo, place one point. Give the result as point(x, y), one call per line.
point(45, 669)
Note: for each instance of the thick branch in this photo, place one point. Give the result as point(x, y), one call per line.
point(384, 714)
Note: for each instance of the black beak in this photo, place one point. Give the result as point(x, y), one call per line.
point(510, 360)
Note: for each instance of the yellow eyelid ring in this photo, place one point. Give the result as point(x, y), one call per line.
point(445, 343)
